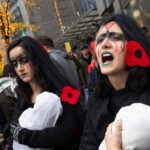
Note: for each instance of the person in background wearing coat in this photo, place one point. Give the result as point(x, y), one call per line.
point(61, 59)
point(85, 60)
point(92, 72)
point(8, 99)
point(8, 96)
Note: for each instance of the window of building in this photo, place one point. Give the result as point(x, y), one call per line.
point(3, 1)
point(77, 7)
point(12, 2)
point(16, 15)
point(125, 2)
point(108, 2)
point(140, 11)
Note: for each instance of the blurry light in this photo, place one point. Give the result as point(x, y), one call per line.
point(136, 13)
point(132, 3)
point(58, 15)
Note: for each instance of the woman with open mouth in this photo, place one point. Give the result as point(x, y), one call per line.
point(48, 114)
point(123, 78)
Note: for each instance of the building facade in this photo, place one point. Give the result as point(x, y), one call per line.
point(53, 17)
point(56, 17)
point(19, 14)
point(137, 9)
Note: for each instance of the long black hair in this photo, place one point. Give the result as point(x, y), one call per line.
point(46, 74)
point(138, 78)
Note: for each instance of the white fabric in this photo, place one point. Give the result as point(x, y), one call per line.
point(135, 127)
point(45, 113)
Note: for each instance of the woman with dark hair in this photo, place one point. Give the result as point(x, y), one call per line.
point(39, 83)
point(123, 57)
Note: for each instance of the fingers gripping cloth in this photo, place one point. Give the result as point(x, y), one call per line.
point(15, 129)
point(135, 127)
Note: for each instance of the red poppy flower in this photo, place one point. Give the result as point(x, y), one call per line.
point(136, 55)
point(70, 95)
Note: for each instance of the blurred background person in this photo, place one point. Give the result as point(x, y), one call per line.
point(145, 31)
point(8, 99)
point(85, 60)
point(61, 59)
point(92, 71)
point(8, 96)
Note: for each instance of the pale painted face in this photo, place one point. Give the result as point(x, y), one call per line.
point(22, 64)
point(111, 49)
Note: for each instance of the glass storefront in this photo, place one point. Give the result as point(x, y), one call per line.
point(16, 15)
point(12, 2)
point(77, 7)
point(82, 6)
point(140, 11)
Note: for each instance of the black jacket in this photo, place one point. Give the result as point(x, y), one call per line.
point(65, 66)
point(83, 71)
point(64, 136)
point(102, 111)
point(7, 100)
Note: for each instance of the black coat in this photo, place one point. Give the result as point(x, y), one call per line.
point(7, 100)
point(102, 111)
point(64, 136)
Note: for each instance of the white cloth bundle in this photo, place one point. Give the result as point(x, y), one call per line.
point(135, 127)
point(44, 114)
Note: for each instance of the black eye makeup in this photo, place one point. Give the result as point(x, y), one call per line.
point(101, 38)
point(117, 37)
point(113, 36)
point(23, 60)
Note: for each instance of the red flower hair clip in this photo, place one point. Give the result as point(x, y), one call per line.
point(136, 55)
point(70, 95)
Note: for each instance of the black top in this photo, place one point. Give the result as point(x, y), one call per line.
point(64, 136)
point(102, 111)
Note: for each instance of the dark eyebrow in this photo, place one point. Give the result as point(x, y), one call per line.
point(102, 35)
point(116, 33)
point(111, 33)
point(17, 57)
